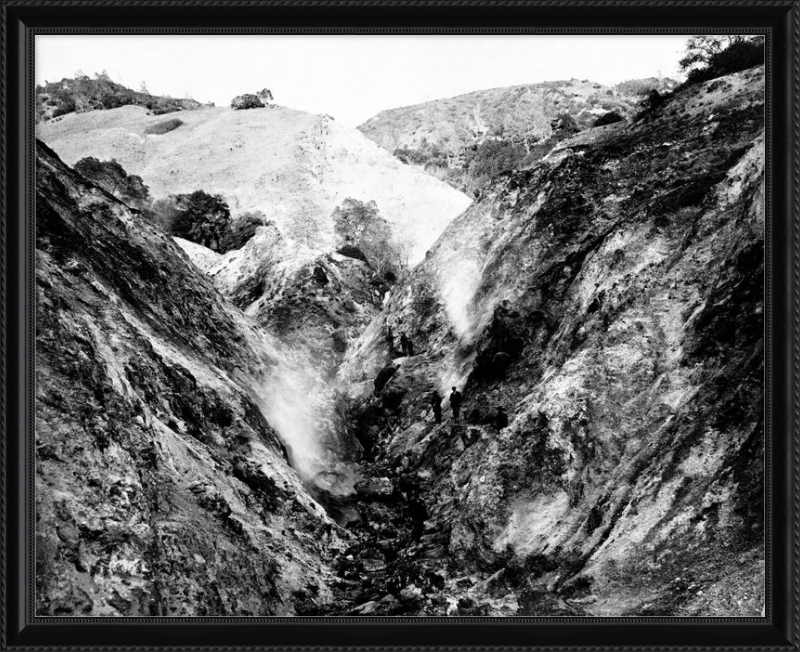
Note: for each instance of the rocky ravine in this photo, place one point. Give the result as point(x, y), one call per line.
point(161, 487)
point(623, 277)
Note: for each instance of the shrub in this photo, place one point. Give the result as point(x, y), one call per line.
point(165, 127)
point(358, 225)
point(265, 95)
point(653, 100)
point(240, 230)
point(739, 55)
point(608, 119)
point(493, 157)
point(352, 252)
point(198, 217)
point(246, 101)
point(112, 178)
point(564, 126)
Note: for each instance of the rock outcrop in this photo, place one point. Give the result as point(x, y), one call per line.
point(610, 298)
point(161, 487)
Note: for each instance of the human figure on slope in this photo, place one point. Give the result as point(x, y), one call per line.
point(390, 339)
point(456, 399)
point(408, 347)
point(500, 419)
point(436, 403)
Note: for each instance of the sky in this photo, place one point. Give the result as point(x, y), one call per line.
point(351, 78)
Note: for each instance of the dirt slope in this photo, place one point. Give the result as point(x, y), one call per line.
point(293, 166)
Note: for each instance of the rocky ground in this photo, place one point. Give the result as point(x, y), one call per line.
point(211, 439)
point(622, 277)
point(161, 487)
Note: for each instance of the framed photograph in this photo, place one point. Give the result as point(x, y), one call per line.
point(400, 325)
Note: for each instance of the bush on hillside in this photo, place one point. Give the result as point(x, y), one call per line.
point(246, 101)
point(739, 55)
point(650, 103)
point(265, 95)
point(161, 128)
point(493, 157)
point(240, 230)
point(564, 126)
point(357, 225)
point(199, 217)
point(608, 119)
point(54, 99)
point(112, 178)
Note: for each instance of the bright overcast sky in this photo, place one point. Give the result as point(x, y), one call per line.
point(351, 77)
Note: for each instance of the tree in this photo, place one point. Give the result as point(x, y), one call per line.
point(452, 140)
point(246, 101)
point(528, 122)
point(708, 57)
point(199, 217)
point(265, 95)
point(359, 225)
point(700, 49)
point(304, 222)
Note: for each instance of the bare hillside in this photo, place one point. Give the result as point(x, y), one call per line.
point(294, 166)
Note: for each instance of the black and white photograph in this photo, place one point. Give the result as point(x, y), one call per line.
point(400, 325)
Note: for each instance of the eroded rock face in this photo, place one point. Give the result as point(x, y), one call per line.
point(161, 488)
point(622, 280)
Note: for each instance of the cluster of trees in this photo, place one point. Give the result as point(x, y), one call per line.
point(468, 160)
point(712, 56)
point(708, 57)
point(84, 93)
point(198, 216)
point(252, 101)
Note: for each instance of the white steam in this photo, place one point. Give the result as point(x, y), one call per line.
point(458, 282)
point(300, 406)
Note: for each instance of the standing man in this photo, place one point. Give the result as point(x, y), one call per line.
point(500, 419)
point(405, 343)
point(456, 399)
point(436, 403)
point(390, 339)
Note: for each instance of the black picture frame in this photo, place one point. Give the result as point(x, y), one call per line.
point(778, 20)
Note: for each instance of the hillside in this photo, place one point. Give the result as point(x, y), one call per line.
point(295, 167)
point(82, 94)
point(445, 136)
point(610, 299)
point(237, 431)
point(163, 477)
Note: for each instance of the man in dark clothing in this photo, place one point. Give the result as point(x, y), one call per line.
point(500, 419)
point(390, 339)
point(436, 403)
point(456, 399)
point(405, 343)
